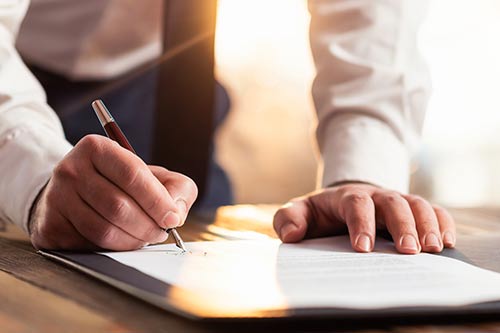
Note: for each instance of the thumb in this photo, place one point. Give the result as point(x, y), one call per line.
point(290, 221)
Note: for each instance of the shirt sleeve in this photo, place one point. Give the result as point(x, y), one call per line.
point(32, 141)
point(370, 90)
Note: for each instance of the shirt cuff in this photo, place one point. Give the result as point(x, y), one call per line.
point(29, 156)
point(364, 149)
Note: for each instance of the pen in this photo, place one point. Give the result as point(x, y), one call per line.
point(114, 132)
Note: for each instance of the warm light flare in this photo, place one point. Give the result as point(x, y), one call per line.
point(263, 58)
point(248, 29)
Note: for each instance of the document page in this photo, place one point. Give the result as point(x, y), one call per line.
point(266, 274)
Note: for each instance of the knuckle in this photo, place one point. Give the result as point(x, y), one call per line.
point(91, 142)
point(155, 204)
point(426, 224)
point(106, 237)
point(418, 201)
point(65, 170)
point(356, 198)
point(342, 189)
point(189, 187)
point(118, 209)
point(443, 215)
point(392, 198)
point(184, 181)
point(130, 175)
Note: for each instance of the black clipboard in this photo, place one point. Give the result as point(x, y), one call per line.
point(184, 303)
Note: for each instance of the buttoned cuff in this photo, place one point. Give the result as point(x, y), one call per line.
point(363, 149)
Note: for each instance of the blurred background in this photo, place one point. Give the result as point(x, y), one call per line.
point(267, 142)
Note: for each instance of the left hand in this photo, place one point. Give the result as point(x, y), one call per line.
point(361, 209)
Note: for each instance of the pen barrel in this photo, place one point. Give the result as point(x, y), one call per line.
point(114, 132)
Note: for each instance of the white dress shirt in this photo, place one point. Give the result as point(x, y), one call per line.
point(370, 91)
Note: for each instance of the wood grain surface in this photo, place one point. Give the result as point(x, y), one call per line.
point(37, 295)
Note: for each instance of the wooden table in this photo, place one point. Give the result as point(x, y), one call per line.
point(38, 295)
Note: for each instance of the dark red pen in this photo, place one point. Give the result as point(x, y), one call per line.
point(114, 132)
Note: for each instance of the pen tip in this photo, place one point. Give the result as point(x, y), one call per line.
point(178, 240)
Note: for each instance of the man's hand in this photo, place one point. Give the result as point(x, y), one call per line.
point(360, 209)
point(103, 196)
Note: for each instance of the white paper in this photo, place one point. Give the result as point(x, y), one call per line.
point(326, 272)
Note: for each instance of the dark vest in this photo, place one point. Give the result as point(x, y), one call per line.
point(168, 109)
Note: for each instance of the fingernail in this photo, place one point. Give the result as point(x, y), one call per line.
point(287, 229)
point(448, 238)
point(431, 240)
point(171, 220)
point(408, 242)
point(181, 206)
point(364, 243)
point(161, 238)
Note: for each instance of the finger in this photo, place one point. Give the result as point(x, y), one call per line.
point(291, 221)
point(117, 208)
point(446, 226)
point(426, 223)
point(182, 189)
point(97, 230)
point(131, 174)
point(398, 219)
point(358, 211)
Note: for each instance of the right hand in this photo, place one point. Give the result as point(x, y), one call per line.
point(102, 196)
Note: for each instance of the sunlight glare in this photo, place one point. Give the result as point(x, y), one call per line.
point(263, 59)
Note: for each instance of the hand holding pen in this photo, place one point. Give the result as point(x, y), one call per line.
point(101, 196)
point(114, 132)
